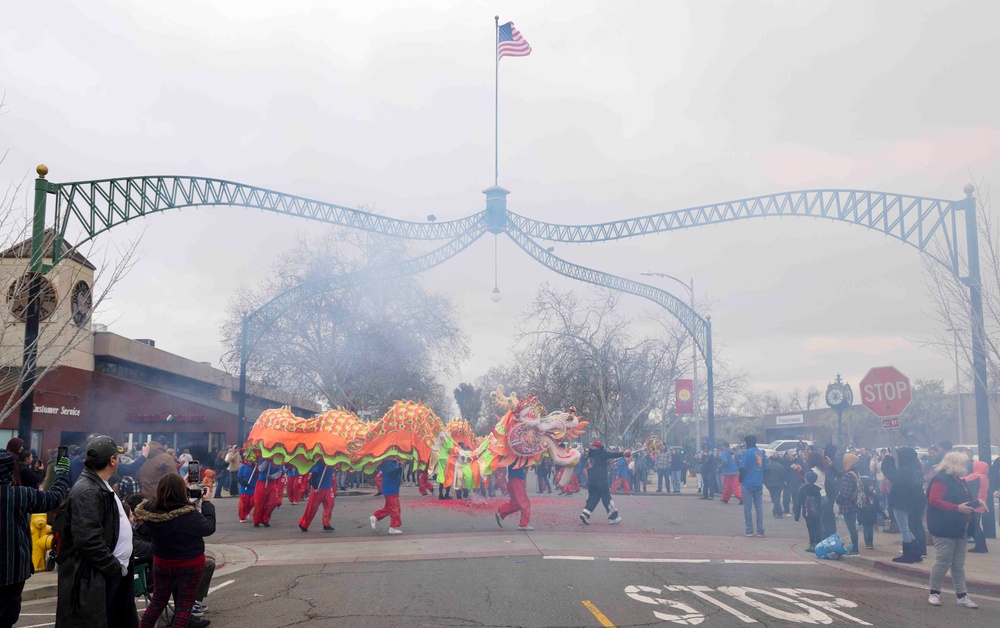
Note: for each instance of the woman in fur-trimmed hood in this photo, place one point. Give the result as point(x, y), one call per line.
point(178, 529)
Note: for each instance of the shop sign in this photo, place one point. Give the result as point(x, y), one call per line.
point(165, 418)
point(58, 410)
point(790, 419)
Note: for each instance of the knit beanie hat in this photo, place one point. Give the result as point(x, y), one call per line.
point(811, 477)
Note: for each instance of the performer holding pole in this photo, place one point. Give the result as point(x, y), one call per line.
point(391, 476)
point(321, 479)
point(518, 499)
point(597, 482)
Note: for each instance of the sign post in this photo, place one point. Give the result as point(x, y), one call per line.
point(886, 392)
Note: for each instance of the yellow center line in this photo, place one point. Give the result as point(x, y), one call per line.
point(596, 612)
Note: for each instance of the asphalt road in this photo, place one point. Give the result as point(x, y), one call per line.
point(673, 561)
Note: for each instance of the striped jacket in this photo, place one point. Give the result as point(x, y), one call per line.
point(17, 503)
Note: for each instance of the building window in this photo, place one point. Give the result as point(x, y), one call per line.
point(36, 440)
point(217, 441)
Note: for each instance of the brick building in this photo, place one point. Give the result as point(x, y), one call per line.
point(106, 383)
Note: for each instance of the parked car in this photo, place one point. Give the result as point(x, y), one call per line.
point(781, 446)
point(994, 451)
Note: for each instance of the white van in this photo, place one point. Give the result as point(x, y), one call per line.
point(781, 446)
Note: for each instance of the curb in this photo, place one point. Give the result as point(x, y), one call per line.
point(39, 592)
point(913, 573)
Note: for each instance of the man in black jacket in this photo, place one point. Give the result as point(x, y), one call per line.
point(597, 483)
point(95, 547)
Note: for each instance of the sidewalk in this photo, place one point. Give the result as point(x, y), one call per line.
point(228, 559)
point(982, 571)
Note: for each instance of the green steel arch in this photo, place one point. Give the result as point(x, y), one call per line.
point(930, 225)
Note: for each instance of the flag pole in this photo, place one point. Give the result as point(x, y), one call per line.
point(496, 105)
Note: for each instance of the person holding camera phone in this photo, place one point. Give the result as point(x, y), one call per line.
point(17, 503)
point(177, 528)
point(949, 510)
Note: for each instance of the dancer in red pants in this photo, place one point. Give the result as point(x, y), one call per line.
point(502, 480)
point(321, 478)
point(426, 488)
point(292, 482)
point(247, 479)
point(518, 499)
point(392, 473)
point(731, 476)
point(265, 495)
point(621, 477)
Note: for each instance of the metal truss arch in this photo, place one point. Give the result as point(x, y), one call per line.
point(914, 220)
point(96, 206)
point(698, 327)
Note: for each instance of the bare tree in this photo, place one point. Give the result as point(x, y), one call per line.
point(469, 400)
point(358, 347)
point(951, 299)
point(67, 317)
point(585, 354)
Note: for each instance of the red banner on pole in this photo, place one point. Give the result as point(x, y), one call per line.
point(684, 397)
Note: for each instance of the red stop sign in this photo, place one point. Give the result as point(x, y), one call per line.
point(885, 391)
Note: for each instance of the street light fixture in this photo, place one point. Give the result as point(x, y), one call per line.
point(694, 352)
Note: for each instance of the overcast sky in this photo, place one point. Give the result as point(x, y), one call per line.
point(622, 109)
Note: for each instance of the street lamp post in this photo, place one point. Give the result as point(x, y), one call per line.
point(694, 355)
point(32, 318)
point(958, 389)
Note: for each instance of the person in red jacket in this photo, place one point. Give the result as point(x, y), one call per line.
point(980, 480)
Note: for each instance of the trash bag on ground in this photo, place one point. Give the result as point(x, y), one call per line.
point(831, 548)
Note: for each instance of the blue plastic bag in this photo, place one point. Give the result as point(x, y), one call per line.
point(831, 548)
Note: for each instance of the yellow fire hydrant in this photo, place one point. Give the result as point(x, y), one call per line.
point(41, 540)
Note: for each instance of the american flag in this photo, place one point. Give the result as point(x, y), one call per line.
point(510, 43)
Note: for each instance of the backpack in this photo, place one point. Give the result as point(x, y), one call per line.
point(811, 506)
point(860, 499)
point(60, 526)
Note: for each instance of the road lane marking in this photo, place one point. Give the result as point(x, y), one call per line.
point(829, 605)
point(219, 586)
point(702, 592)
point(689, 616)
point(596, 612)
point(685, 561)
point(39, 625)
point(660, 560)
point(805, 615)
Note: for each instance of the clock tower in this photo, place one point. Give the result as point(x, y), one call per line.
point(67, 290)
point(839, 397)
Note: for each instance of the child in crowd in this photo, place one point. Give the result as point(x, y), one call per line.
point(870, 510)
point(809, 506)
